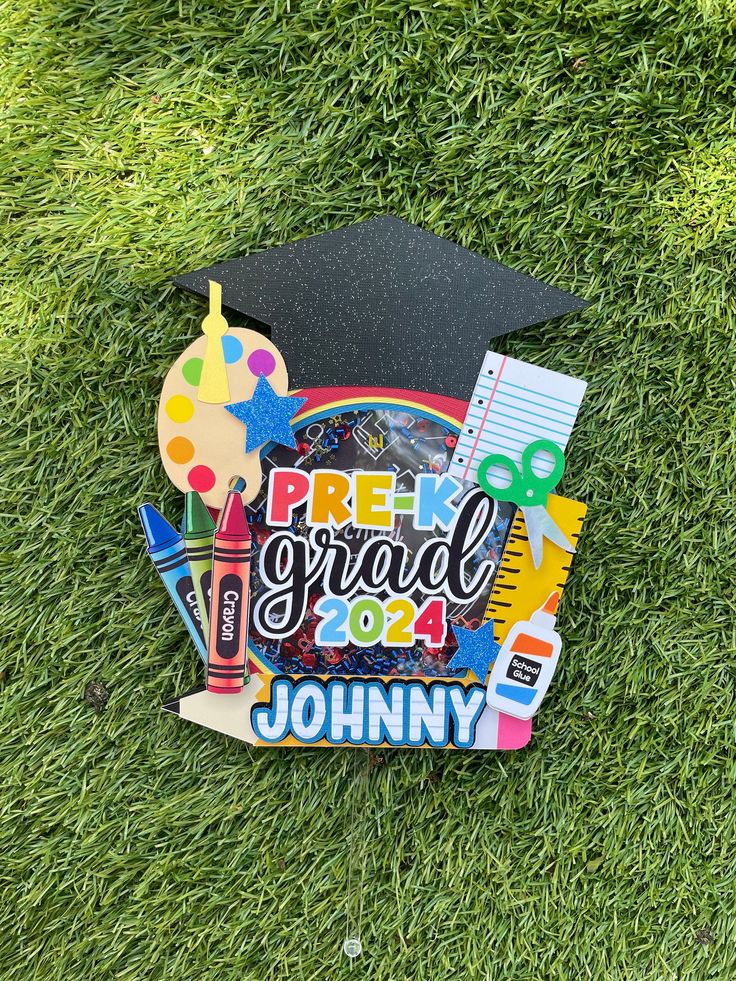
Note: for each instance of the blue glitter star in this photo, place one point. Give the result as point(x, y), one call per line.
point(267, 416)
point(476, 650)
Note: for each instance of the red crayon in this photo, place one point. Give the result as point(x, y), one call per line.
point(227, 651)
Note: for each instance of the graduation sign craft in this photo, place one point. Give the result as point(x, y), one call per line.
point(366, 565)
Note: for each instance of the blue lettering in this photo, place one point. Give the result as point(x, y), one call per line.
point(373, 712)
point(434, 493)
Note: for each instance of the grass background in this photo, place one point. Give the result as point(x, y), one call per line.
point(588, 142)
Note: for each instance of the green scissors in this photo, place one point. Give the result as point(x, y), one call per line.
point(530, 492)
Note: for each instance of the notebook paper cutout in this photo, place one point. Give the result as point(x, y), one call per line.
point(513, 404)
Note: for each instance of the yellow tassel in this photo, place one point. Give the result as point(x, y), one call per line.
point(213, 384)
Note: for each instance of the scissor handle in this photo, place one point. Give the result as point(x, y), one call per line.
point(526, 489)
point(544, 485)
point(514, 491)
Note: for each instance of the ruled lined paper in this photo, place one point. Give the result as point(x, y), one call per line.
point(513, 404)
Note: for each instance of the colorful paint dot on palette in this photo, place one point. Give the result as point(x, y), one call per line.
point(179, 450)
point(179, 408)
point(261, 362)
point(201, 479)
point(232, 349)
point(202, 445)
point(192, 370)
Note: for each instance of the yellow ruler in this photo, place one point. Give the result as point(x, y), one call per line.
point(519, 588)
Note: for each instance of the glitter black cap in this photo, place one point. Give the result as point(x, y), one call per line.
point(384, 303)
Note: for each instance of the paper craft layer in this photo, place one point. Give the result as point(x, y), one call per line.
point(382, 302)
point(514, 404)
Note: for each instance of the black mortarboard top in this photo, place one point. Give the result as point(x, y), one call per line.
point(382, 303)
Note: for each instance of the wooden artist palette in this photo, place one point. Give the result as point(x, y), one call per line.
point(202, 445)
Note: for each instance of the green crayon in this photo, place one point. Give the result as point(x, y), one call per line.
point(199, 532)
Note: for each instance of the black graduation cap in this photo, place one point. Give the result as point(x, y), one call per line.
point(382, 302)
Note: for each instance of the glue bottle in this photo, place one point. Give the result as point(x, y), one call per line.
point(525, 664)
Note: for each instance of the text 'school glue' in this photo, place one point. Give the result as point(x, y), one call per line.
point(525, 664)
point(227, 651)
point(166, 548)
point(199, 534)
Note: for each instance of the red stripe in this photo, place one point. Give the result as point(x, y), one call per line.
point(317, 397)
point(485, 416)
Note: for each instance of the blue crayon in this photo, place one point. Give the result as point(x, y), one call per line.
point(169, 556)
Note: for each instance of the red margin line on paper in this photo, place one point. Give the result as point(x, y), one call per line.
point(483, 420)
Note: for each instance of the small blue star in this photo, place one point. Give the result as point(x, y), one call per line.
point(476, 650)
point(267, 416)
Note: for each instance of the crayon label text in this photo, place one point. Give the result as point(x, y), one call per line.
point(229, 614)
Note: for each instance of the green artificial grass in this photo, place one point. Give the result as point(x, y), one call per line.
point(588, 142)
